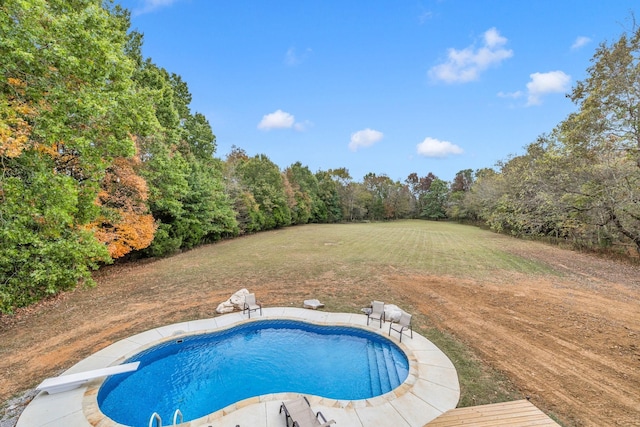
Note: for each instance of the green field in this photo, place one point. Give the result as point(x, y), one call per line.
point(309, 251)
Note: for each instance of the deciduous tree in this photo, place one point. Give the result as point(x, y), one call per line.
point(604, 135)
point(68, 107)
point(434, 201)
point(264, 180)
point(125, 223)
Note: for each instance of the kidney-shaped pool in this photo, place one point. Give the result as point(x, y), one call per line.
point(201, 374)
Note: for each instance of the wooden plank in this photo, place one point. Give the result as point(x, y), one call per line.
point(519, 413)
point(71, 381)
point(517, 405)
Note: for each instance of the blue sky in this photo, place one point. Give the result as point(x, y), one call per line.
point(384, 86)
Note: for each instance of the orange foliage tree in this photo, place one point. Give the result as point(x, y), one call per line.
point(14, 119)
point(125, 223)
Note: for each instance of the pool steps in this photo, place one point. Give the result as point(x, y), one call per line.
point(394, 378)
point(385, 382)
point(374, 374)
point(382, 368)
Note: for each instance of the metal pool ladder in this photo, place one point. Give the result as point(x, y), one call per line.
point(175, 417)
point(156, 417)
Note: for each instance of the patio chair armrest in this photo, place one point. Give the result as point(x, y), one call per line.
point(325, 423)
point(286, 413)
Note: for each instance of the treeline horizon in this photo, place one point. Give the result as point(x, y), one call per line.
point(103, 159)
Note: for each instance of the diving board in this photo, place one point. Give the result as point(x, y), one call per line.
point(71, 381)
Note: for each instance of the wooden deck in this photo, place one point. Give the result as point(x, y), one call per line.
point(520, 413)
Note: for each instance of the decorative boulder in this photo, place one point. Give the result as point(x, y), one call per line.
point(235, 302)
point(224, 307)
point(313, 304)
point(237, 299)
point(392, 312)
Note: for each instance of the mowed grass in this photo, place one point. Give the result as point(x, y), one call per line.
point(309, 251)
point(345, 266)
point(338, 261)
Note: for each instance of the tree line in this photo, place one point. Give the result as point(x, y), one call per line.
point(102, 159)
point(580, 183)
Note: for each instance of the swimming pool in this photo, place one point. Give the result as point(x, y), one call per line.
point(201, 374)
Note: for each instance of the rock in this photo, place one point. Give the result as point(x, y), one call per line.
point(15, 407)
point(237, 299)
point(312, 304)
point(392, 312)
point(224, 307)
point(235, 302)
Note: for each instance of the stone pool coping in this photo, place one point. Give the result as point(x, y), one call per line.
point(431, 388)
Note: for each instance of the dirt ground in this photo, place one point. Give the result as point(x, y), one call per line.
point(571, 343)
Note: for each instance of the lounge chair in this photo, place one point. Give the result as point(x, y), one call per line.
point(298, 413)
point(404, 324)
point(377, 312)
point(250, 304)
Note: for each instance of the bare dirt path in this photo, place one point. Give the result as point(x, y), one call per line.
point(572, 345)
point(570, 342)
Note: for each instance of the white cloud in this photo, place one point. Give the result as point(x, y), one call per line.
point(364, 138)
point(580, 41)
point(544, 83)
point(151, 5)
point(282, 120)
point(425, 16)
point(293, 58)
point(492, 38)
point(432, 147)
point(514, 95)
point(300, 127)
point(465, 65)
point(276, 120)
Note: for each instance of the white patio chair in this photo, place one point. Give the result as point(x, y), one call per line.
point(250, 304)
point(404, 324)
point(298, 413)
point(377, 312)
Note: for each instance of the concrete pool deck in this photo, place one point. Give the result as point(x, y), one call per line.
point(431, 388)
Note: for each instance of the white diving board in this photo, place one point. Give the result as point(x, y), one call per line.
point(71, 381)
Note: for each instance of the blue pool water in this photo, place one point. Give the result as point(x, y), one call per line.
point(204, 373)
